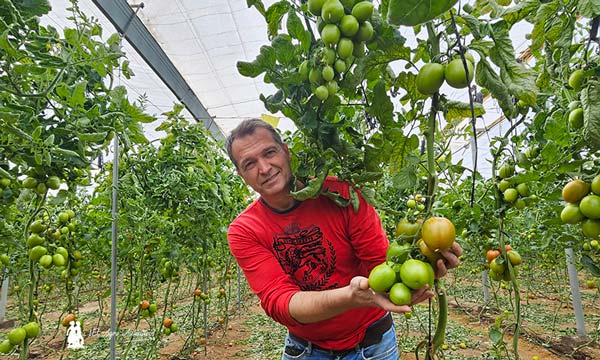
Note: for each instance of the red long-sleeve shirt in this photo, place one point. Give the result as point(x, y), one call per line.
point(316, 245)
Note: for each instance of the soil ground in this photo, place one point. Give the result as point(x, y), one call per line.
point(249, 334)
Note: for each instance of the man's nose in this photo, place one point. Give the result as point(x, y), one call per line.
point(264, 166)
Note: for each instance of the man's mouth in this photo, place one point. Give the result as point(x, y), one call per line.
point(270, 178)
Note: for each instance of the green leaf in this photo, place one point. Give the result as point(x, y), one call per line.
point(59, 199)
point(406, 178)
point(588, 8)
point(520, 11)
point(30, 8)
point(555, 128)
point(354, 199)
point(37, 133)
point(92, 137)
point(6, 45)
point(284, 49)
point(496, 336)
point(274, 15)
point(381, 105)
point(414, 12)
point(519, 80)
point(297, 30)
point(135, 132)
point(590, 102)
point(487, 77)
point(265, 60)
point(313, 187)
point(591, 265)
point(258, 5)
point(457, 110)
point(71, 36)
point(274, 102)
point(49, 140)
point(78, 94)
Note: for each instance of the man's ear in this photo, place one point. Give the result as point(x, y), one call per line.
point(287, 151)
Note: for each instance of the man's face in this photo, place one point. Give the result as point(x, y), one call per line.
point(263, 163)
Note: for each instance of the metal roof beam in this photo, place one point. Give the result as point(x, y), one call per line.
point(122, 16)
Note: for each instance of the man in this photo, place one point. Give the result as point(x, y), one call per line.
point(308, 261)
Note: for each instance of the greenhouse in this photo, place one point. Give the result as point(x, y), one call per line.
point(299, 179)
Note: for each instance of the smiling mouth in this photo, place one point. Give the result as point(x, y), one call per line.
point(270, 179)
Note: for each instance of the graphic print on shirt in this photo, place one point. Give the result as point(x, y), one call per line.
point(306, 256)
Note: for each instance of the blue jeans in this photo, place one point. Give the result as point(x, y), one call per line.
point(386, 349)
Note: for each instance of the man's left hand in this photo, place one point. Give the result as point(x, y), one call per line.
point(449, 259)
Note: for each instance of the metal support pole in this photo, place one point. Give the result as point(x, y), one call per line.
point(574, 282)
point(3, 297)
point(113, 255)
point(486, 287)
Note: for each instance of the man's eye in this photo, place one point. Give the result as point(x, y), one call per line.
point(248, 165)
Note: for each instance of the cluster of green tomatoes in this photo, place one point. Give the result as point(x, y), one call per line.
point(583, 205)
point(344, 28)
point(513, 193)
point(431, 76)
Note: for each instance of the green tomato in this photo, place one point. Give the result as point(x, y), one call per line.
point(382, 277)
point(345, 48)
point(321, 92)
point(362, 11)
point(349, 25)
point(330, 35)
point(430, 78)
point(400, 294)
point(455, 73)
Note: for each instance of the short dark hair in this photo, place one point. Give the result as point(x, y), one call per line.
point(247, 127)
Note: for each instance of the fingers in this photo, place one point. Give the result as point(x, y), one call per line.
point(457, 249)
point(450, 258)
point(440, 269)
point(421, 295)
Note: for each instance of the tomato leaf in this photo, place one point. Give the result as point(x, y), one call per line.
point(588, 8)
point(264, 60)
point(274, 15)
point(458, 110)
point(354, 200)
point(496, 336)
point(590, 101)
point(538, 33)
point(519, 11)
point(33, 8)
point(519, 80)
point(381, 105)
point(414, 12)
point(257, 4)
point(588, 263)
point(296, 30)
point(284, 49)
point(487, 77)
point(406, 178)
point(313, 187)
point(555, 128)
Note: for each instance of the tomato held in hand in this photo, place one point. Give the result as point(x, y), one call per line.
point(416, 274)
point(382, 277)
point(400, 294)
point(438, 233)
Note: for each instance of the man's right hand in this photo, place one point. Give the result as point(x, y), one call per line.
point(365, 296)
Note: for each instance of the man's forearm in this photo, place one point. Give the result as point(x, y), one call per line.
point(312, 306)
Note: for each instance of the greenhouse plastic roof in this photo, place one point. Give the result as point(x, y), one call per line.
point(204, 39)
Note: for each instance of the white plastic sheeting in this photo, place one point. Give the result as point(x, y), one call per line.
point(205, 38)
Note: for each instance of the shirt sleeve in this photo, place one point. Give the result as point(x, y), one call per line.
point(265, 276)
